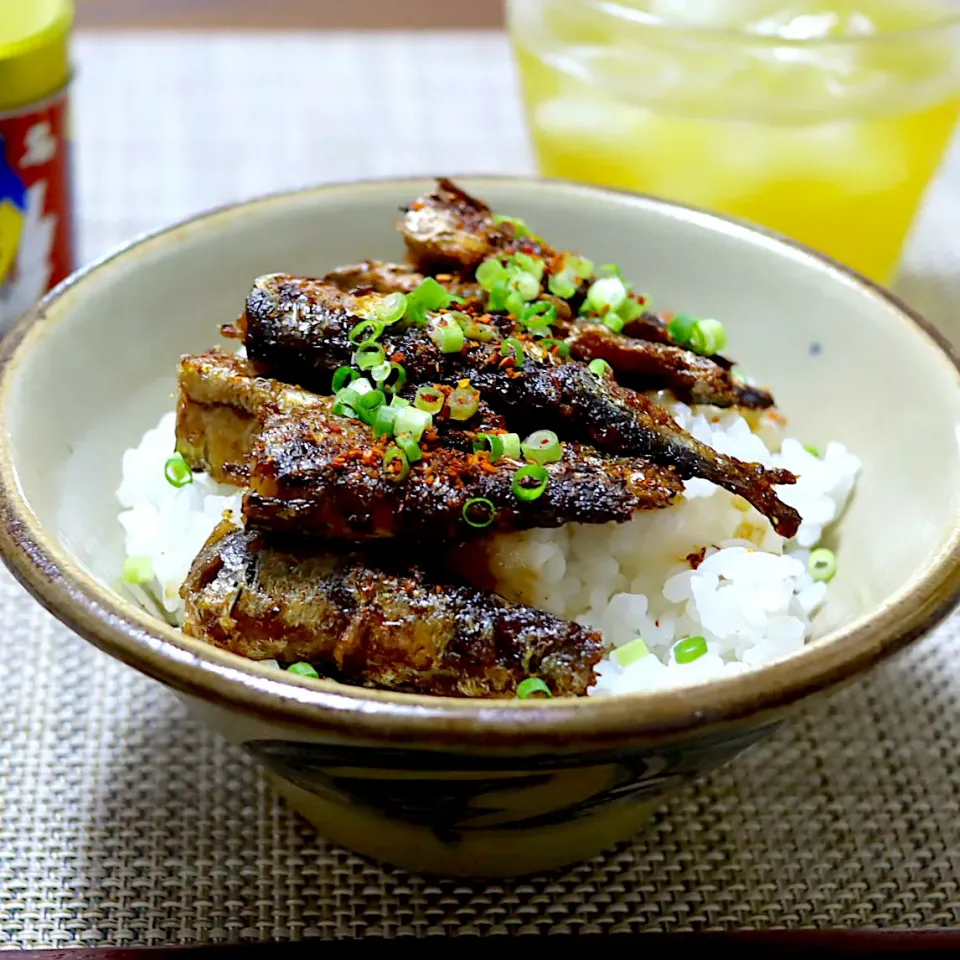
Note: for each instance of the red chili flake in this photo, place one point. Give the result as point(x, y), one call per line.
point(695, 559)
point(416, 205)
point(656, 623)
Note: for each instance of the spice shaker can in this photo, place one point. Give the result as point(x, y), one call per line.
point(37, 245)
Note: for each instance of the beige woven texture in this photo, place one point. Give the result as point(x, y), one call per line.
point(124, 822)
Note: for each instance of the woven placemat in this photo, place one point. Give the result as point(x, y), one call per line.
point(124, 822)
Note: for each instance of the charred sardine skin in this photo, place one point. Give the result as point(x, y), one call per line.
point(306, 343)
point(312, 472)
point(369, 624)
point(693, 378)
point(321, 476)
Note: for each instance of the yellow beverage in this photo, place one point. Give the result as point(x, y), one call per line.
point(823, 119)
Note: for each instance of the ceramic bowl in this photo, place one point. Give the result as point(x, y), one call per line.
point(482, 788)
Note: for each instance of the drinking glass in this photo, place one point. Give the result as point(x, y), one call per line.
point(823, 119)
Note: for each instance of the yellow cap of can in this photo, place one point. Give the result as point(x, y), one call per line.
point(34, 50)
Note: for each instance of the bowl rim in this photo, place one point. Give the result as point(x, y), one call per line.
point(121, 629)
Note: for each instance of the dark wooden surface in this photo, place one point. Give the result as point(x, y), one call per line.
point(289, 14)
point(768, 944)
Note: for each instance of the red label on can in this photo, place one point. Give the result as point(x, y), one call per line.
point(36, 226)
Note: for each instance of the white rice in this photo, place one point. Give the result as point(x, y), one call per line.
point(750, 598)
point(165, 523)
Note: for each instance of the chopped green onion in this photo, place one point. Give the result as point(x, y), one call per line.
point(361, 386)
point(428, 296)
point(490, 443)
point(368, 404)
point(431, 294)
point(531, 687)
point(480, 332)
point(269, 663)
point(526, 286)
point(413, 421)
point(811, 449)
point(395, 465)
point(137, 570)
point(542, 446)
point(614, 322)
point(489, 272)
point(344, 377)
point(532, 265)
point(366, 330)
point(487, 512)
point(303, 670)
point(446, 334)
point(429, 399)
point(341, 409)
point(396, 402)
point(606, 294)
point(535, 472)
point(681, 327)
point(519, 227)
point(563, 284)
point(514, 303)
point(631, 652)
point(693, 648)
point(409, 446)
point(463, 320)
point(384, 421)
point(562, 348)
point(631, 309)
point(369, 355)
point(822, 564)
point(600, 367)
point(511, 445)
point(463, 403)
point(499, 294)
point(391, 308)
point(347, 399)
point(611, 270)
point(539, 313)
point(384, 376)
point(708, 337)
point(380, 372)
point(177, 471)
point(512, 347)
point(581, 266)
point(350, 395)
